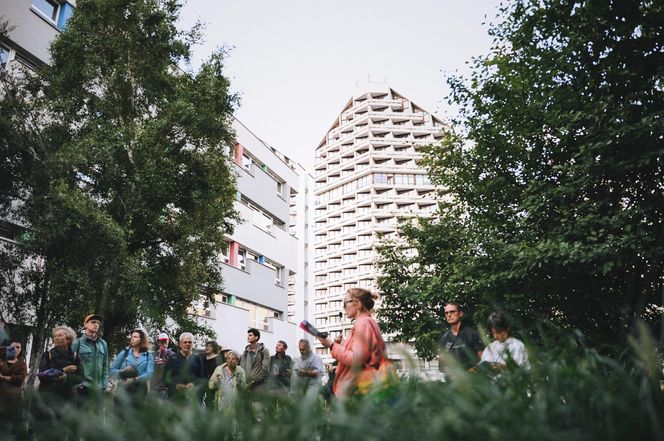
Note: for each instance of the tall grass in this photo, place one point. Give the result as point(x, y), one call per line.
point(570, 393)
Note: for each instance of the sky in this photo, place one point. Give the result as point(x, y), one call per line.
point(296, 63)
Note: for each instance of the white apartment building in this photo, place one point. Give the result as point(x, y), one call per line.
point(367, 180)
point(266, 271)
point(265, 266)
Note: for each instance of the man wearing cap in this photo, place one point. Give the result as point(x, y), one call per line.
point(93, 352)
point(158, 387)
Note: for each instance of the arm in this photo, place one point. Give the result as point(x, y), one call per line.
point(265, 367)
point(104, 367)
point(357, 351)
point(115, 366)
point(78, 375)
point(149, 370)
point(318, 367)
point(18, 377)
point(215, 378)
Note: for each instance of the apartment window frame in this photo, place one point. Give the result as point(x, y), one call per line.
point(242, 259)
point(39, 7)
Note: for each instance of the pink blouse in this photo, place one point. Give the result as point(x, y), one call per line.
point(364, 347)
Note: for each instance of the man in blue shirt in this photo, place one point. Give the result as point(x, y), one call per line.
point(93, 352)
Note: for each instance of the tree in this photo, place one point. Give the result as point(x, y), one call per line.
point(555, 172)
point(114, 163)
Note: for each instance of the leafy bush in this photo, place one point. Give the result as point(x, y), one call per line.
point(571, 392)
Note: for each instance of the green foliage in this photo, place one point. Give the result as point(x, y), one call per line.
point(571, 393)
point(554, 178)
point(113, 157)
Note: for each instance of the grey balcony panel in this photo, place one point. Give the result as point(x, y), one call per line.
point(256, 284)
point(262, 189)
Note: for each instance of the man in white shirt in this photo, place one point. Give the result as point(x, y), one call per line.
point(505, 347)
point(307, 370)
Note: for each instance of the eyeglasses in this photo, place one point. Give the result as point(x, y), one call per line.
point(451, 312)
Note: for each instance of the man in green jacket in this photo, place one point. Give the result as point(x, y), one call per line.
point(93, 352)
point(255, 361)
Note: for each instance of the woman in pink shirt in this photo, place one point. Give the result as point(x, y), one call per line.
point(363, 348)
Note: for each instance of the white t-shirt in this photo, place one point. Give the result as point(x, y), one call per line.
point(500, 352)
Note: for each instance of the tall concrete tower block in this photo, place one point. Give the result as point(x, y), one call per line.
point(368, 178)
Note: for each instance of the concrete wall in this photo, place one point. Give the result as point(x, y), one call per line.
point(277, 245)
point(262, 189)
point(32, 32)
point(255, 284)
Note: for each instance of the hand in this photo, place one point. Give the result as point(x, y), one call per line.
point(190, 386)
point(69, 369)
point(338, 339)
point(180, 387)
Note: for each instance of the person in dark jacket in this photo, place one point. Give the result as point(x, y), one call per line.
point(184, 374)
point(281, 366)
point(12, 374)
point(158, 388)
point(60, 368)
point(212, 358)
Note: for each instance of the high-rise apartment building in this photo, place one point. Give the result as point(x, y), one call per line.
point(367, 179)
point(265, 266)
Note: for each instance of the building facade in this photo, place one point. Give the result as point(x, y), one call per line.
point(265, 266)
point(266, 270)
point(368, 179)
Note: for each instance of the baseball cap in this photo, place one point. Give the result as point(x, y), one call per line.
point(93, 317)
point(162, 336)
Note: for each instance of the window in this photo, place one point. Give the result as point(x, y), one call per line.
point(280, 188)
point(48, 8)
point(4, 56)
point(278, 271)
point(242, 259)
point(225, 247)
point(246, 162)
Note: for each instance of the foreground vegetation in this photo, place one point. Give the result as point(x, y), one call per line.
point(572, 393)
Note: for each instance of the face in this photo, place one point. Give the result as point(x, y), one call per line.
point(92, 326)
point(163, 343)
point(209, 350)
point(501, 336)
point(453, 314)
point(231, 360)
point(60, 338)
point(251, 338)
point(18, 348)
point(351, 306)
point(186, 344)
point(280, 348)
point(135, 339)
point(302, 346)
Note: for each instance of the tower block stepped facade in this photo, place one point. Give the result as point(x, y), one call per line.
point(368, 178)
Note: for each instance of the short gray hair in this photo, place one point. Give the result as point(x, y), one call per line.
point(186, 334)
point(233, 353)
point(70, 334)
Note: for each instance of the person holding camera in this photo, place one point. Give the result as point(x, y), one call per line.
point(13, 371)
point(135, 365)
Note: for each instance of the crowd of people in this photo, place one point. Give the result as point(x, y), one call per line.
point(78, 367)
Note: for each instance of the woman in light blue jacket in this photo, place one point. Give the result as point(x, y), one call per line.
point(134, 366)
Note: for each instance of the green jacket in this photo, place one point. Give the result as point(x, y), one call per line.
point(94, 357)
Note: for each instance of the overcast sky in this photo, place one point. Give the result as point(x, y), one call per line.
point(296, 63)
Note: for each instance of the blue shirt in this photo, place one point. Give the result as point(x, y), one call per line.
point(144, 363)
